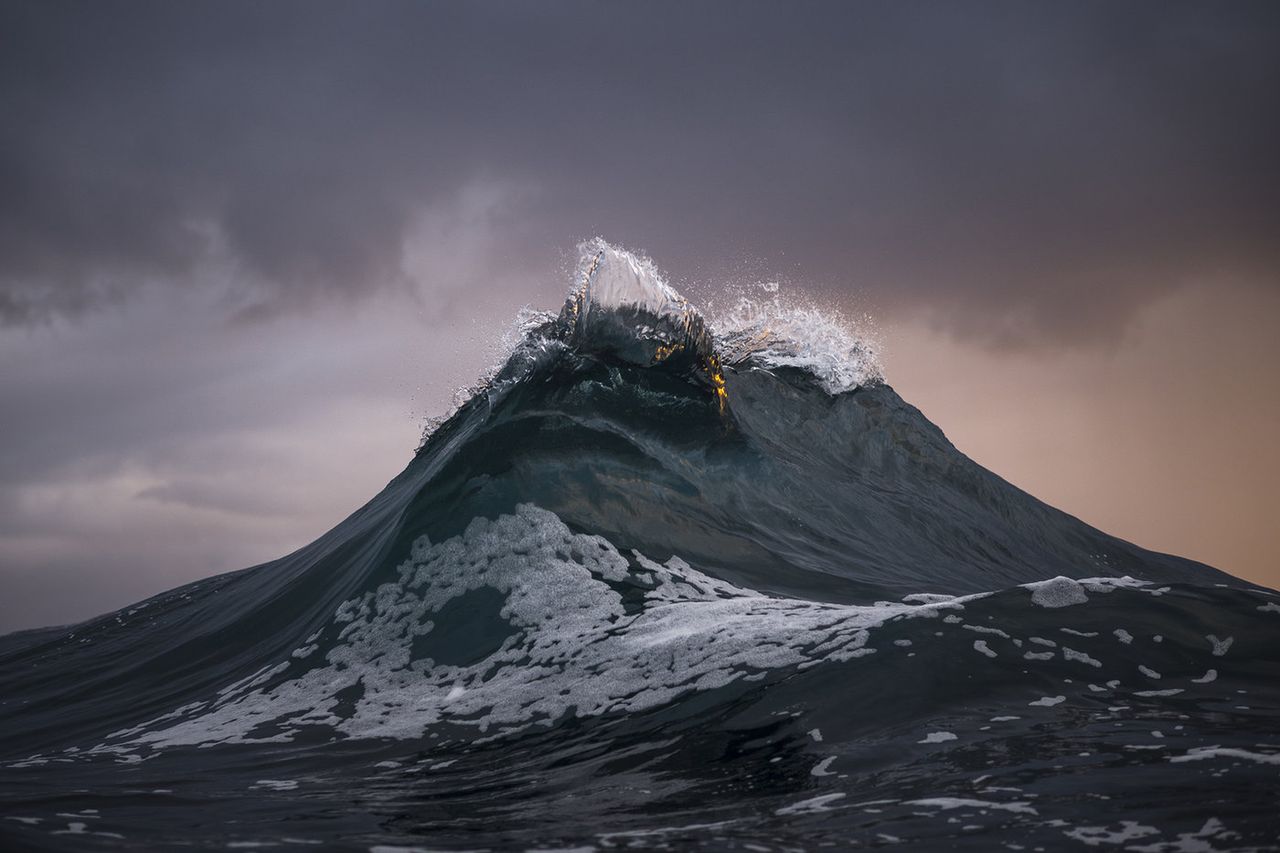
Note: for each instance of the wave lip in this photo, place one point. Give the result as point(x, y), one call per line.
point(614, 281)
point(624, 308)
point(774, 334)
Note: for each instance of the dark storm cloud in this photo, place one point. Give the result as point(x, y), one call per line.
point(1026, 169)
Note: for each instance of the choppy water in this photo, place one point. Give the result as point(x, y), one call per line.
point(659, 585)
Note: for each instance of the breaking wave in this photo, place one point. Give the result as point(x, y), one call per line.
point(666, 583)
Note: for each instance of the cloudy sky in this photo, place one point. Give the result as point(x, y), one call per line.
point(246, 248)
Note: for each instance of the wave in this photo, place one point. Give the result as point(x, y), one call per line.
point(658, 582)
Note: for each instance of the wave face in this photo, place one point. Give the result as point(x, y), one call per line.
point(659, 585)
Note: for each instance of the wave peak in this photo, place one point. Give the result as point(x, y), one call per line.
point(623, 306)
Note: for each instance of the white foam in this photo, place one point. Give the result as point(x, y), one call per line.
point(1106, 585)
point(947, 803)
point(1220, 647)
point(1072, 654)
point(938, 737)
point(1057, 592)
point(821, 768)
point(813, 805)
point(574, 649)
point(1194, 842)
point(1129, 830)
point(778, 332)
point(927, 598)
point(1203, 753)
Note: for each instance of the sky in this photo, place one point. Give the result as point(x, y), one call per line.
point(246, 248)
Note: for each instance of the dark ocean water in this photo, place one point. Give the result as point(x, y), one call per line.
point(658, 585)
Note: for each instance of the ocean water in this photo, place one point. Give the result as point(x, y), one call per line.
point(665, 583)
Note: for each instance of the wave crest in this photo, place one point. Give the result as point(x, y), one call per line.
point(772, 332)
point(623, 305)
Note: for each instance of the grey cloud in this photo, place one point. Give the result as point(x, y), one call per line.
point(154, 443)
point(1026, 170)
point(215, 497)
point(235, 238)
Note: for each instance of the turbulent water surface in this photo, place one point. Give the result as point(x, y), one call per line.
point(666, 584)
